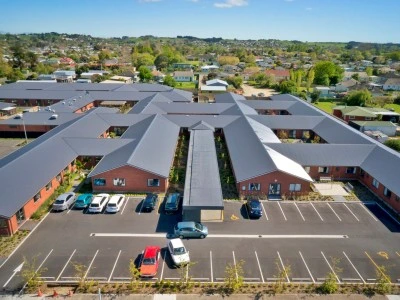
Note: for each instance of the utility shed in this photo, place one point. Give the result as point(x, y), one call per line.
point(202, 201)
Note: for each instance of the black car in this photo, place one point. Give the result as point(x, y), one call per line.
point(172, 203)
point(254, 208)
point(150, 202)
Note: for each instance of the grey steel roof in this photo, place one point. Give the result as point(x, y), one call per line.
point(264, 133)
point(268, 104)
point(72, 104)
point(187, 121)
point(325, 154)
point(288, 121)
point(36, 94)
point(228, 98)
point(41, 118)
point(95, 146)
point(193, 108)
point(144, 87)
point(202, 181)
point(26, 171)
point(251, 158)
point(201, 125)
point(4, 105)
point(143, 105)
point(284, 97)
point(152, 148)
point(39, 85)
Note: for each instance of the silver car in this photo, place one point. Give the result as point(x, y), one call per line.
point(64, 201)
point(190, 230)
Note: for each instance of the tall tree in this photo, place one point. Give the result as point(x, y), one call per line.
point(326, 73)
point(310, 77)
point(145, 74)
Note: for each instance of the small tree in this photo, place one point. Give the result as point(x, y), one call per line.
point(383, 282)
point(330, 285)
point(282, 273)
point(135, 274)
point(170, 81)
point(282, 134)
point(234, 276)
point(31, 276)
point(185, 280)
point(80, 273)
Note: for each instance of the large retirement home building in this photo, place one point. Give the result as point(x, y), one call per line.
point(73, 127)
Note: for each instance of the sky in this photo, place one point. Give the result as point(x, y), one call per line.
point(304, 20)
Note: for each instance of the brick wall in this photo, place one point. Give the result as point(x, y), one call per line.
point(275, 177)
point(135, 181)
point(337, 173)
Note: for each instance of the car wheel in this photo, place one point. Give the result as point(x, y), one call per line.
point(181, 236)
point(202, 236)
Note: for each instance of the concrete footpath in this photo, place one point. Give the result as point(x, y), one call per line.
point(210, 297)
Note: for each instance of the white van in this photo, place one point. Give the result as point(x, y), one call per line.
point(115, 203)
point(98, 204)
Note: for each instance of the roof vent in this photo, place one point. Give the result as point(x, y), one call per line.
point(63, 102)
point(53, 117)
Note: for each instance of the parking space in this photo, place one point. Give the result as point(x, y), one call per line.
point(309, 239)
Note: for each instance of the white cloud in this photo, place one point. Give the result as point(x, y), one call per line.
point(231, 3)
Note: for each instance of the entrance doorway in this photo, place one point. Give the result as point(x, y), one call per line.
point(274, 191)
point(20, 215)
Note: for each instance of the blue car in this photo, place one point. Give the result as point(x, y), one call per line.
point(83, 201)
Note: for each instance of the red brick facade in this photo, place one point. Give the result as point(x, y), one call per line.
point(31, 206)
point(136, 180)
point(273, 178)
point(336, 173)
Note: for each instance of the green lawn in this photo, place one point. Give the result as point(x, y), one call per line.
point(326, 106)
point(185, 85)
point(396, 107)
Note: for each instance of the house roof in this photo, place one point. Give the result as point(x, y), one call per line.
point(213, 88)
point(278, 73)
point(393, 81)
point(374, 123)
point(217, 82)
point(183, 74)
point(202, 181)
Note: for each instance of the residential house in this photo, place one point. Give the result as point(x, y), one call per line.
point(65, 75)
point(183, 76)
point(386, 127)
point(362, 76)
point(67, 61)
point(357, 113)
point(182, 66)
point(279, 74)
point(392, 84)
point(324, 91)
point(110, 62)
point(345, 85)
point(210, 68)
point(158, 76)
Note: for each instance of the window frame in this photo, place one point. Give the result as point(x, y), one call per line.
point(375, 183)
point(49, 186)
point(295, 187)
point(254, 186)
point(97, 180)
point(354, 170)
point(149, 184)
point(37, 197)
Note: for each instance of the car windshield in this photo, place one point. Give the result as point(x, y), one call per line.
point(199, 226)
point(255, 205)
point(58, 201)
point(148, 200)
point(111, 205)
point(149, 261)
point(94, 205)
point(179, 251)
point(79, 201)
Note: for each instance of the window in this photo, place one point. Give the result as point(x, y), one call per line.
point(119, 181)
point(12, 126)
point(352, 117)
point(58, 177)
point(323, 170)
point(49, 186)
point(307, 169)
point(375, 183)
point(387, 192)
point(36, 197)
point(243, 188)
point(66, 169)
point(295, 187)
point(3, 223)
point(254, 186)
point(351, 170)
point(397, 198)
point(292, 134)
point(153, 182)
point(99, 181)
point(367, 118)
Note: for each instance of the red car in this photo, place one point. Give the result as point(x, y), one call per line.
point(150, 261)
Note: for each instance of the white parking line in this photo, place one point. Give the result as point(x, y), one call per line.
point(162, 270)
point(259, 267)
point(234, 262)
point(90, 265)
point(351, 212)
point(70, 208)
point(309, 272)
point(112, 271)
point(265, 213)
point(358, 273)
point(211, 265)
point(283, 267)
point(36, 271)
point(232, 236)
point(299, 211)
point(316, 211)
point(58, 277)
point(367, 210)
point(23, 241)
point(126, 202)
point(282, 210)
point(334, 212)
point(330, 267)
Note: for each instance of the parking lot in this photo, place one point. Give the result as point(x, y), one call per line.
point(308, 240)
